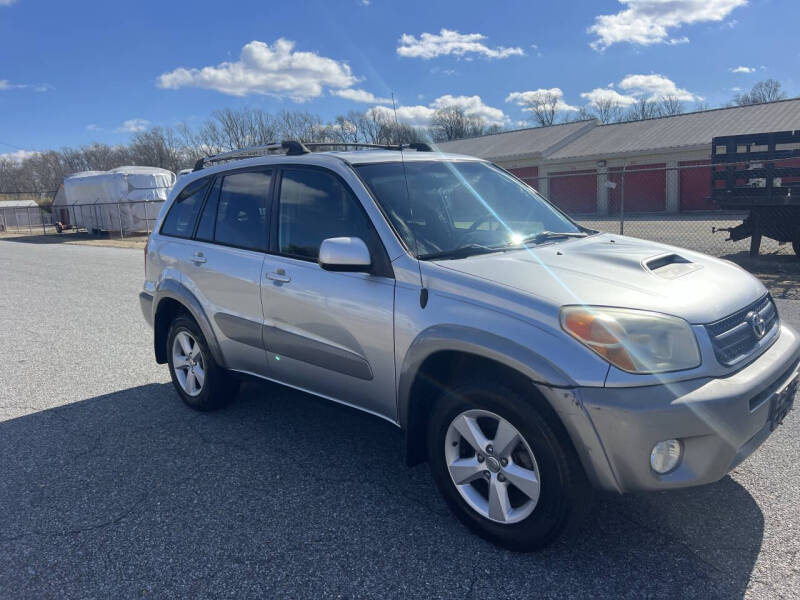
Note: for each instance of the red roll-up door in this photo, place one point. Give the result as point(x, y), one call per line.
point(574, 192)
point(529, 175)
point(645, 188)
point(695, 185)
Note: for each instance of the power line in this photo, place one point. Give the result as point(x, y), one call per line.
point(11, 146)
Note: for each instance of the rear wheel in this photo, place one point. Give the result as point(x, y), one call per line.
point(198, 379)
point(503, 468)
point(796, 245)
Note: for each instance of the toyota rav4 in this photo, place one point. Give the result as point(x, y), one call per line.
point(528, 359)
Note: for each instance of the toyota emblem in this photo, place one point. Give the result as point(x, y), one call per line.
point(758, 324)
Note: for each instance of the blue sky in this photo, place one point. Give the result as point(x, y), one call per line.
point(76, 72)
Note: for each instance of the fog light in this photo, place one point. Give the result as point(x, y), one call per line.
point(665, 456)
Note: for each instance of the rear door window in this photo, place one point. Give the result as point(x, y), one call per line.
point(243, 210)
point(181, 218)
point(208, 218)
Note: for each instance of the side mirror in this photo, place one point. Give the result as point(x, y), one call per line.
point(344, 254)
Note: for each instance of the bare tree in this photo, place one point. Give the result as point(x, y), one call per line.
point(608, 110)
point(644, 108)
point(543, 106)
point(584, 113)
point(300, 125)
point(768, 90)
point(345, 128)
point(670, 105)
point(452, 123)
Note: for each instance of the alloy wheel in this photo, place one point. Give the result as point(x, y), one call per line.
point(492, 466)
point(188, 363)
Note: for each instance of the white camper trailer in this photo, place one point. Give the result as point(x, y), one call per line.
point(123, 199)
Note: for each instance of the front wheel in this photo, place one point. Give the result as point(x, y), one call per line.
point(198, 379)
point(503, 468)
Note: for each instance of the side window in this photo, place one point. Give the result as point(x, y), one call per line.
point(314, 206)
point(243, 210)
point(205, 228)
point(180, 220)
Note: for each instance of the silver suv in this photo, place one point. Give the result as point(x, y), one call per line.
point(527, 359)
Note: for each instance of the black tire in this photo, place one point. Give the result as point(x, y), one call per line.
point(219, 387)
point(796, 247)
point(565, 494)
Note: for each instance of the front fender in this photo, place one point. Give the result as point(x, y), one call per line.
point(460, 338)
point(175, 290)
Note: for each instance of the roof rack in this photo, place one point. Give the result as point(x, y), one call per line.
point(295, 148)
point(418, 146)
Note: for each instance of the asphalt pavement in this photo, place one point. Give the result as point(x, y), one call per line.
point(111, 488)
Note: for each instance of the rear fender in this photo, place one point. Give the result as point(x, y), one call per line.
point(170, 288)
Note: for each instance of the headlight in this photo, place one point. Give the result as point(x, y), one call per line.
point(636, 341)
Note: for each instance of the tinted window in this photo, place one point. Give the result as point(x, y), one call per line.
point(242, 213)
point(181, 217)
point(314, 206)
point(205, 228)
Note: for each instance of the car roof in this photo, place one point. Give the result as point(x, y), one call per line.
point(329, 159)
point(360, 157)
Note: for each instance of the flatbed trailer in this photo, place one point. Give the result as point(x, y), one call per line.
point(759, 173)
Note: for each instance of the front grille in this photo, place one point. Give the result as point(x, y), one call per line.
point(733, 337)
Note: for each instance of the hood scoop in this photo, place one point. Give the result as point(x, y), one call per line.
point(670, 266)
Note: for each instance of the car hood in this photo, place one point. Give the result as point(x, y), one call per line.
point(613, 270)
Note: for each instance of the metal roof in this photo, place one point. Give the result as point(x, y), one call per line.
point(17, 204)
point(522, 143)
point(682, 131)
point(585, 139)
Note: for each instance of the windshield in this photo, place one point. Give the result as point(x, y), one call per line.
point(460, 208)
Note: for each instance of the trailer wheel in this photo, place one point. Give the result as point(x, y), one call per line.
point(796, 246)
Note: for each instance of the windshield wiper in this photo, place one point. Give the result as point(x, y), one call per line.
point(543, 236)
point(462, 252)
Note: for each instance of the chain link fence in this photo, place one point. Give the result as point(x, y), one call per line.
point(669, 203)
point(115, 219)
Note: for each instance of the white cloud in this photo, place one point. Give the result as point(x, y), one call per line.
point(653, 87)
point(7, 2)
point(420, 116)
point(472, 106)
point(647, 22)
point(5, 84)
point(132, 126)
point(742, 69)
point(447, 41)
point(276, 70)
point(656, 86)
point(360, 96)
point(600, 95)
point(19, 155)
point(525, 98)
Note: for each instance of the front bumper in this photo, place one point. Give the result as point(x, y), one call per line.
point(719, 422)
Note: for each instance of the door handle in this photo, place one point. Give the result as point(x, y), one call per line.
point(279, 276)
point(198, 257)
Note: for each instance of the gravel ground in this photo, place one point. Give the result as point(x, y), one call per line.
point(110, 488)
